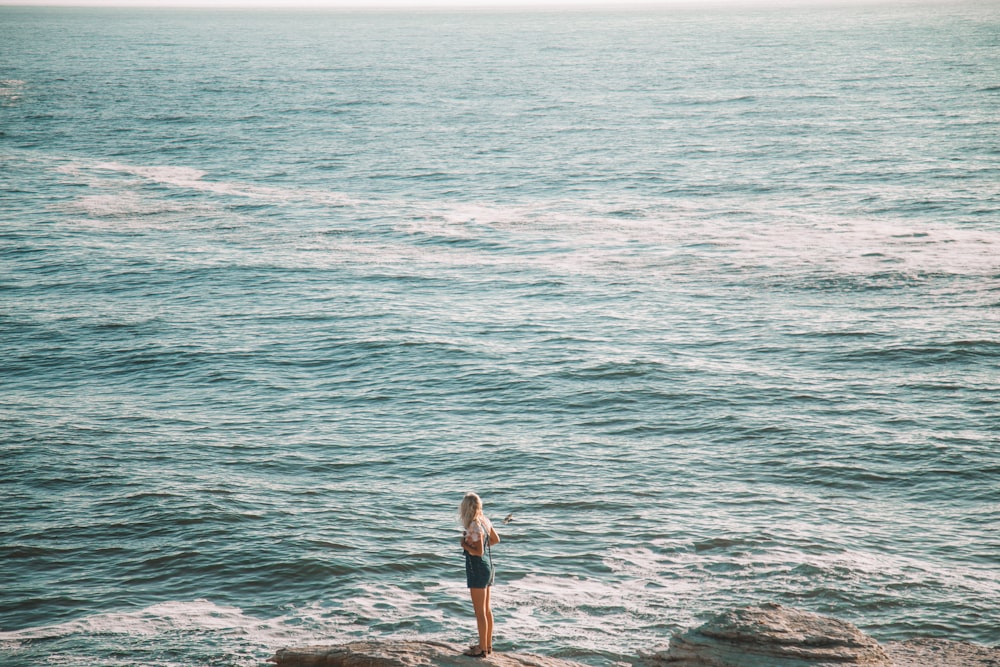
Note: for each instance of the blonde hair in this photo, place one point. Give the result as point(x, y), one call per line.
point(471, 509)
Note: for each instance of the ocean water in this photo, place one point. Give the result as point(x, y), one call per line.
point(709, 300)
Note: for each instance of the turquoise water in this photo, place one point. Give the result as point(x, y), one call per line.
point(709, 300)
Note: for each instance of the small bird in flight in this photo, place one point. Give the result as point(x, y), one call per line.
point(509, 518)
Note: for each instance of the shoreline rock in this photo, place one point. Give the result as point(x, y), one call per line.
point(927, 652)
point(392, 653)
point(773, 636)
point(769, 635)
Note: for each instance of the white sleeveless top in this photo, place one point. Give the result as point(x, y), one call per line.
point(476, 530)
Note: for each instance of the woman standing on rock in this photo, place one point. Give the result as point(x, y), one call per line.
point(477, 538)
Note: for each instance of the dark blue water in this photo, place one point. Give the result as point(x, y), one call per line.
point(709, 300)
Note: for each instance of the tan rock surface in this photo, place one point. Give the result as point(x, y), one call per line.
point(942, 653)
point(766, 636)
point(772, 636)
point(404, 654)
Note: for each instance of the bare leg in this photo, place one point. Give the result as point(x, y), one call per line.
point(480, 605)
point(489, 622)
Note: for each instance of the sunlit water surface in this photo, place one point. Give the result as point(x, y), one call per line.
point(709, 300)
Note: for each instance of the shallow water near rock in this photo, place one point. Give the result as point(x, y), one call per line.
point(708, 299)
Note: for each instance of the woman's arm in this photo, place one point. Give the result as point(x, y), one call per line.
point(472, 545)
point(494, 538)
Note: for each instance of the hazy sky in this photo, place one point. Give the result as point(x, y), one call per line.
point(422, 3)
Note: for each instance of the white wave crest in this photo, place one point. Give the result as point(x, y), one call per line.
point(194, 179)
point(165, 621)
point(10, 89)
point(154, 620)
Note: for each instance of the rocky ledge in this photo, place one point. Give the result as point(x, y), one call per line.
point(769, 635)
point(774, 636)
point(942, 653)
point(404, 654)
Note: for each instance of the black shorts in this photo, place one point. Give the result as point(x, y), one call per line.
point(478, 572)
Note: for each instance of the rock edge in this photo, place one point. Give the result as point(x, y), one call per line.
point(391, 653)
point(769, 635)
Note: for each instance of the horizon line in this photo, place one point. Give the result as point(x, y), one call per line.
point(456, 4)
